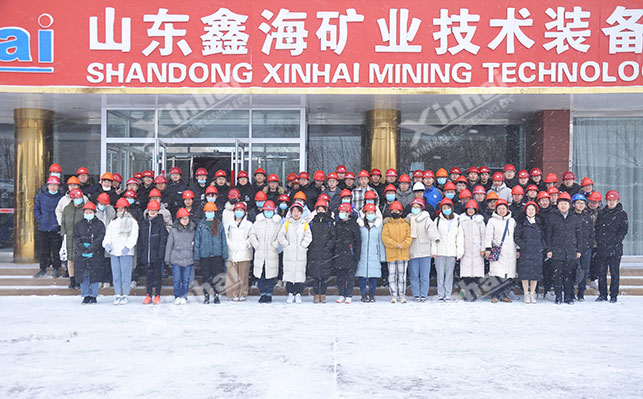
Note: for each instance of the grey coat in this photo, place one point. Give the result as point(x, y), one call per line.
point(180, 245)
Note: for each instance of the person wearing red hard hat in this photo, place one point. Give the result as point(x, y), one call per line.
point(509, 172)
point(499, 187)
point(611, 229)
point(349, 181)
point(390, 192)
point(369, 267)
point(472, 262)
point(404, 191)
point(221, 184)
point(448, 248)
point(72, 214)
point(120, 241)
point(391, 177)
point(569, 184)
point(346, 251)
point(117, 183)
point(333, 190)
point(528, 235)
point(376, 182)
point(195, 209)
point(499, 236)
point(359, 192)
point(320, 250)
point(174, 190)
point(417, 176)
point(485, 177)
point(246, 189)
point(263, 237)
point(239, 252)
point(341, 173)
point(594, 202)
point(88, 234)
point(106, 213)
point(315, 188)
point(396, 237)
point(151, 248)
point(49, 239)
point(423, 235)
point(199, 185)
point(586, 187)
point(86, 185)
point(179, 252)
point(472, 176)
point(156, 195)
point(295, 237)
point(72, 183)
point(454, 173)
point(536, 177)
point(55, 170)
point(523, 179)
point(273, 190)
point(432, 194)
point(517, 201)
point(210, 250)
point(259, 179)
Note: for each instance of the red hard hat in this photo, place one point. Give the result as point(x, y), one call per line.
point(103, 198)
point(498, 176)
point(564, 196)
point(155, 193)
point(346, 207)
point(502, 201)
point(153, 205)
point(397, 205)
point(471, 204)
point(479, 190)
point(274, 177)
point(455, 170)
point(138, 175)
point(390, 187)
point(345, 193)
point(553, 190)
point(82, 171)
point(319, 175)
point(536, 172)
point(449, 186)
point(260, 171)
point(122, 203)
point(260, 196)
point(461, 179)
point(532, 187)
point(376, 172)
point(187, 194)
point(418, 173)
point(324, 196)
point(181, 213)
point(130, 194)
point(89, 205)
point(418, 201)
point(322, 203)
point(349, 175)
point(568, 176)
point(239, 205)
point(363, 173)
point(211, 190)
point(242, 173)
point(269, 205)
point(234, 194)
point(340, 169)
point(370, 208)
point(333, 175)
point(220, 173)
point(405, 178)
point(612, 195)
point(131, 181)
point(428, 174)
point(304, 175)
point(484, 169)
point(541, 195)
point(175, 170)
point(551, 178)
point(55, 168)
point(517, 190)
point(283, 198)
point(53, 180)
point(464, 194)
point(147, 173)
point(75, 193)
point(370, 194)
point(586, 182)
point(524, 208)
point(595, 196)
point(160, 179)
point(291, 177)
point(201, 172)
point(509, 167)
point(391, 172)
point(473, 169)
point(523, 174)
point(446, 201)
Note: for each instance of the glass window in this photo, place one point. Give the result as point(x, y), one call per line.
point(194, 123)
point(76, 144)
point(280, 159)
point(7, 194)
point(128, 159)
point(130, 123)
point(276, 123)
point(332, 145)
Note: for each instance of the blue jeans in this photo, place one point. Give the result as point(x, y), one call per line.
point(266, 285)
point(87, 289)
point(372, 284)
point(419, 271)
point(181, 275)
point(122, 274)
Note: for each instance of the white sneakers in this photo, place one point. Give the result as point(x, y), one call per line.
point(124, 300)
point(341, 299)
point(291, 298)
point(402, 299)
point(348, 300)
point(180, 301)
point(393, 299)
point(120, 300)
point(298, 298)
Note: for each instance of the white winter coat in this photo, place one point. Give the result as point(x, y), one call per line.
point(122, 232)
point(227, 216)
point(264, 239)
point(505, 266)
point(295, 237)
point(236, 234)
point(451, 241)
point(424, 233)
point(472, 262)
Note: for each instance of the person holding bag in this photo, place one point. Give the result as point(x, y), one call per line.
point(501, 250)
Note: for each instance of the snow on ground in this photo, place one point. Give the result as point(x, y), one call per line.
point(53, 347)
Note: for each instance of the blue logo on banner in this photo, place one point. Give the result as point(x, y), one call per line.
point(15, 45)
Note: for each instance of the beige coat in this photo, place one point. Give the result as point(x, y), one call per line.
point(505, 266)
point(264, 239)
point(237, 234)
point(295, 237)
point(424, 234)
point(472, 262)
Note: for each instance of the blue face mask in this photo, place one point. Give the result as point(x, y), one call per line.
point(239, 214)
point(449, 195)
point(211, 199)
point(130, 200)
point(415, 211)
point(370, 201)
point(442, 180)
point(283, 206)
point(268, 214)
point(201, 181)
point(78, 201)
point(101, 207)
point(390, 197)
point(346, 200)
point(209, 215)
point(343, 215)
point(260, 204)
point(371, 217)
point(52, 192)
point(88, 216)
point(446, 212)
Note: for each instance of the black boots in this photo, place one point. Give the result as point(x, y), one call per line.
point(206, 298)
point(41, 273)
point(86, 300)
point(601, 299)
point(612, 299)
point(215, 299)
point(73, 285)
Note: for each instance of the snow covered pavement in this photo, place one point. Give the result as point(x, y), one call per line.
point(52, 347)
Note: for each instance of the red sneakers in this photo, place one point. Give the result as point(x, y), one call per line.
point(157, 300)
point(147, 300)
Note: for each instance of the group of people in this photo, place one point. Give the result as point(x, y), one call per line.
point(486, 230)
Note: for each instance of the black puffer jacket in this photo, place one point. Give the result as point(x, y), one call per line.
point(529, 237)
point(348, 244)
point(174, 195)
point(611, 229)
point(563, 235)
point(152, 239)
point(92, 233)
point(587, 231)
point(320, 250)
point(247, 192)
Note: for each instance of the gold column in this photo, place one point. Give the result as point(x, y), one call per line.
point(383, 127)
point(33, 153)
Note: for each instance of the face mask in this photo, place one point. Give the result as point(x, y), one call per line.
point(88, 216)
point(390, 197)
point(446, 212)
point(234, 201)
point(209, 215)
point(370, 201)
point(450, 195)
point(101, 207)
point(239, 214)
point(107, 188)
point(415, 211)
point(260, 204)
point(120, 214)
point(268, 214)
point(52, 192)
point(396, 215)
point(343, 215)
point(212, 199)
point(55, 174)
point(442, 180)
point(78, 201)
point(346, 200)
point(283, 206)
point(371, 217)
point(130, 200)
point(201, 181)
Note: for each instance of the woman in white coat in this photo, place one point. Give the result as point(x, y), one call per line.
point(505, 267)
point(448, 249)
point(294, 237)
point(239, 254)
point(423, 233)
point(472, 262)
point(120, 239)
point(264, 239)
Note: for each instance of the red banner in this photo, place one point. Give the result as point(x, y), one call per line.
point(374, 44)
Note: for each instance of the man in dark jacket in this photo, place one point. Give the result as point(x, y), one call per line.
point(199, 186)
point(90, 257)
point(49, 239)
point(568, 185)
point(563, 243)
point(152, 239)
point(611, 229)
point(174, 191)
point(348, 244)
point(246, 189)
point(587, 243)
point(105, 186)
point(320, 250)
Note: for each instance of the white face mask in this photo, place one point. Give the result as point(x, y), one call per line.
point(107, 188)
